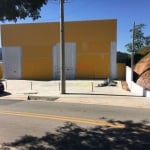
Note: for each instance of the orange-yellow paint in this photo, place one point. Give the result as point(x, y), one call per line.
point(121, 71)
point(93, 40)
point(36, 63)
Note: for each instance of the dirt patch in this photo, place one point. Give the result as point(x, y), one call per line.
point(125, 85)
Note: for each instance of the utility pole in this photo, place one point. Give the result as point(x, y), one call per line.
point(133, 50)
point(62, 49)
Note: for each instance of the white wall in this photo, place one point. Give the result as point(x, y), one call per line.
point(113, 61)
point(128, 76)
point(133, 86)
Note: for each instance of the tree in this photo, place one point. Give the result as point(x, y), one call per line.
point(12, 10)
point(147, 40)
point(123, 58)
point(139, 39)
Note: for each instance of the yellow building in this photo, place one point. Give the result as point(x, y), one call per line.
point(32, 51)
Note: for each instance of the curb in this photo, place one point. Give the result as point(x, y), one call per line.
point(48, 98)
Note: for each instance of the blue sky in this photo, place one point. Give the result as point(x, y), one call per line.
point(125, 11)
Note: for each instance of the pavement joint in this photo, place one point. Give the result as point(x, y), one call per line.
point(49, 98)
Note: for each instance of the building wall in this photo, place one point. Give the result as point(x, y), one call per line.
point(121, 71)
point(37, 63)
point(93, 45)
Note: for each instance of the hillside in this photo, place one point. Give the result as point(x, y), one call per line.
point(142, 69)
point(141, 53)
point(144, 51)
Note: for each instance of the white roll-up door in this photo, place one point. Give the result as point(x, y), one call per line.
point(11, 62)
point(70, 61)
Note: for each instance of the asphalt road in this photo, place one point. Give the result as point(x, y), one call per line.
point(32, 120)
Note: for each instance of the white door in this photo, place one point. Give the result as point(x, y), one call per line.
point(70, 59)
point(11, 62)
point(56, 62)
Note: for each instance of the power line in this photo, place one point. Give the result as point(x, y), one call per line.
point(58, 1)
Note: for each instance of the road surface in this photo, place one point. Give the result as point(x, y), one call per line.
point(33, 120)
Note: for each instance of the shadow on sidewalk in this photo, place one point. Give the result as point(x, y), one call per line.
point(5, 94)
point(134, 136)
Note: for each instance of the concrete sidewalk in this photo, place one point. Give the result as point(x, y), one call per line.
point(77, 91)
